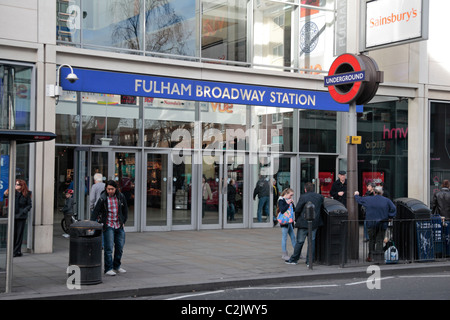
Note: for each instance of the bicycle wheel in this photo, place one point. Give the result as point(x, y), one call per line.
point(64, 225)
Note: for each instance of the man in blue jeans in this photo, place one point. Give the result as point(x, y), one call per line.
point(302, 224)
point(112, 210)
point(262, 190)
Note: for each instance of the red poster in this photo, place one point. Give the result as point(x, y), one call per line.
point(326, 181)
point(367, 177)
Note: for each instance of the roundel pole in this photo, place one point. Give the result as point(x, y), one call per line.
point(353, 80)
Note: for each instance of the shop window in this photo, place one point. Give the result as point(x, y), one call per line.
point(272, 40)
point(67, 118)
point(296, 36)
point(272, 128)
point(382, 155)
point(439, 145)
point(224, 126)
point(168, 123)
point(224, 30)
point(317, 132)
point(109, 119)
point(316, 34)
point(15, 96)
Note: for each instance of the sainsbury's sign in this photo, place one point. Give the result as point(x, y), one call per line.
point(197, 90)
point(392, 22)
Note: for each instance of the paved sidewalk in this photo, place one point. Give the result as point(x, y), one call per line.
point(182, 261)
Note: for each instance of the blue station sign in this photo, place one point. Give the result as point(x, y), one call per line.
point(197, 90)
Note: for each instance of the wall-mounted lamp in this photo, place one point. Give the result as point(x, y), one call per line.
point(56, 90)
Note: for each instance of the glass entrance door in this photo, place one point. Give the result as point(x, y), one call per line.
point(309, 172)
point(210, 191)
point(234, 207)
point(222, 191)
point(168, 194)
point(120, 166)
point(157, 195)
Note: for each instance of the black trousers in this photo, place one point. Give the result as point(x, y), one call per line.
point(19, 227)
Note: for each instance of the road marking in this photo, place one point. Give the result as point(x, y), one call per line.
point(196, 295)
point(289, 287)
point(365, 281)
point(428, 276)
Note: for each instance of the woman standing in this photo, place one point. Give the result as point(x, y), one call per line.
point(286, 203)
point(21, 209)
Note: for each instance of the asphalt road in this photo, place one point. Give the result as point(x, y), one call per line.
point(433, 286)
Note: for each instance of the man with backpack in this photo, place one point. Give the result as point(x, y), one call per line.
point(379, 210)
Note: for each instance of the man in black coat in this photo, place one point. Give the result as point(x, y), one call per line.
point(302, 224)
point(339, 188)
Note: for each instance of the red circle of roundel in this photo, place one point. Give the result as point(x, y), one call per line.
point(354, 62)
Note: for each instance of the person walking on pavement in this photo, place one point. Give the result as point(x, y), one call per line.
point(302, 224)
point(339, 188)
point(441, 201)
point(206, 194)
point(112, 210)
point(231, 199)
point(262, 190)
point(67, 210)
point(97, 188)
point(286, 203)
point(275, 200)
point(379, 210)
point(22, 207)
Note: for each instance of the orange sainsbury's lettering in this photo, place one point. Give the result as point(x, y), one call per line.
point(393, 18)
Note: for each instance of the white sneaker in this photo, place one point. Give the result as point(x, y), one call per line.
point(120, 270)
point(110, 273)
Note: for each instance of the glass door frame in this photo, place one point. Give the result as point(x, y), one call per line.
point(222, 185)
point(169, 186)
point(111, 175)
point(244, 187)
point(315, 180)
point(199, 198)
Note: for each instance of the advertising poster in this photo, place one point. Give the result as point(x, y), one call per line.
point(367, 177)
point(326, 181)
point(4, 174)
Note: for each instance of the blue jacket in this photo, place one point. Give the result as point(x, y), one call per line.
point(378, 208)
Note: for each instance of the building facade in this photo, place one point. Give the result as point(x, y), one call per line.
point(260, 114)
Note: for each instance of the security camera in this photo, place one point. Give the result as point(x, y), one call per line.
point(72, 77)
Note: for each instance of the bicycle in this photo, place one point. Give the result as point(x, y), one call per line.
point(64, 226)
point(74, 218)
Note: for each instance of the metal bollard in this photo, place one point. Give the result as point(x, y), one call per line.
point(310, 217)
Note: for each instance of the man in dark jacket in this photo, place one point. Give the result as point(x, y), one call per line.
point(379, 210)
point(302, 224)
point(111, 210)
point(441, 201)
point(262, 190)
point(339, 188)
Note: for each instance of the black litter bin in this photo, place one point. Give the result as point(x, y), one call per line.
point(329, 237)
point(412, 233)
point(86, 250)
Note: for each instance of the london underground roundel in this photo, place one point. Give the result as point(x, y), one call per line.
point(353, 78)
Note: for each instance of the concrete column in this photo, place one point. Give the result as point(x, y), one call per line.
point(43, 195)
point(418, 149)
